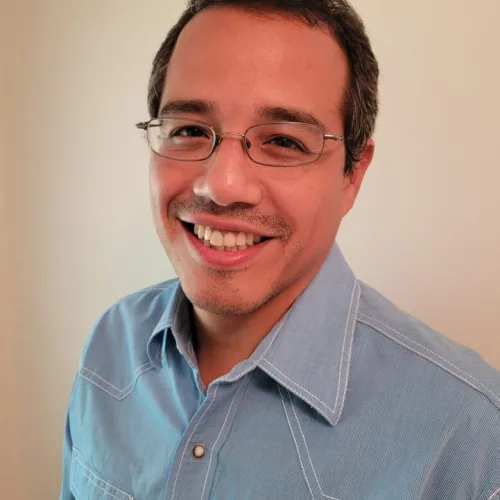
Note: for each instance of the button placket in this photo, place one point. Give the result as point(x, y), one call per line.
point(193, 469)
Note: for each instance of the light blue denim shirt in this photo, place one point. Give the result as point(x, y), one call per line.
point(347, 398)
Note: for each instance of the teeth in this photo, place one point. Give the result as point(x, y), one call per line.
point(241, 239)
point(216, 239)
point(229, 240)
point(225, 241)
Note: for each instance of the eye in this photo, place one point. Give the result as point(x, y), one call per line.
point(189, 131)
point(285, 142)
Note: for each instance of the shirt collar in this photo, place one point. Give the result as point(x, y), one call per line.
point(308, 351)
point(175, 319)
point(311, 353)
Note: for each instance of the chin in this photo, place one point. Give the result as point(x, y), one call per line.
point(225, 298)
point(223, 304)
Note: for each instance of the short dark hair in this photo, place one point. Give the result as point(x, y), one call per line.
point(345, 25)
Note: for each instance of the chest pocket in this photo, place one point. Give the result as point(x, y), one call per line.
point(85, 484)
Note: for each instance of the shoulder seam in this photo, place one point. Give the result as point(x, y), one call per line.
point(160, 288)
point(431, 356)
point(94, 378)
point(139, 293)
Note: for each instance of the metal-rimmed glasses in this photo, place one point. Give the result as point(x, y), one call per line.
point(277, 144)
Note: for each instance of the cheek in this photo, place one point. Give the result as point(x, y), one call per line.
point(155, 189)
point(157, 182)
point(166, 181)
point(312, 203)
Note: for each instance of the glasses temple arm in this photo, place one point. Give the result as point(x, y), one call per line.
point(334, 137)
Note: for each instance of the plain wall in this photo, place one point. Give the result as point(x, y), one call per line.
point(10, 406)
point(75, 208)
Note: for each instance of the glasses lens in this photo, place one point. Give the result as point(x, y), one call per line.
point(285, 144)
point(180, 139)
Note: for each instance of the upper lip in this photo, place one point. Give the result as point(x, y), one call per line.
point(225, 224)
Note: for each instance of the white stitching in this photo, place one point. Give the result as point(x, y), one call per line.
point(99, 486)
point(295, 441)
point(307, 450)
point(110, 384)
point(187, 442)
point(305, 398)
point(93, 382)
point(425, 348)
point(343, 346)
point(257, 361)
point(72, 470)
point(432, 352)
point(77, 491)
point(87, 472)
point(166, 321)
point(220, 433)
point(121, 393)
point(299, 386)
point(495, 493)
point(340, 363)
point(348, 368)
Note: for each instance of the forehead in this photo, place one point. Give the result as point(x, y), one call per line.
point(243, 61)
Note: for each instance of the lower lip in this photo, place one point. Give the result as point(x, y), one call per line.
point(220, 258)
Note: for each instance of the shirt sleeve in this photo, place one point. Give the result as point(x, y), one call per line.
point(67, 453)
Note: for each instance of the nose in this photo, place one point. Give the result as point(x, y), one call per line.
point(229, 176)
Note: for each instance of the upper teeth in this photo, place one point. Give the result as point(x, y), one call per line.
point(225, 240)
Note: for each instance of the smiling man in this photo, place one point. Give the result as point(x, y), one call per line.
point(267, 370)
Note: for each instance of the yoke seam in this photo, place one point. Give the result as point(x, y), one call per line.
point(448, 366)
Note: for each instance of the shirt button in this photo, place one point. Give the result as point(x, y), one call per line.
point(199, 451)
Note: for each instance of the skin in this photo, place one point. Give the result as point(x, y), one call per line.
point(240, 62)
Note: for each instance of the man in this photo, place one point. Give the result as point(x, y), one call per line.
point(268, 371)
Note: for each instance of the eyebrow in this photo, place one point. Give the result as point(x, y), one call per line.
point(197, 106)
point(278, 113)
point(271, 113)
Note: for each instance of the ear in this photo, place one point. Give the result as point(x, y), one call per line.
point(352, 181)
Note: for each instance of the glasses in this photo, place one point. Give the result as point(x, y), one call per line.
point(278, 144)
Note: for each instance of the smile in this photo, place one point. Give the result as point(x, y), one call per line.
point(227, 241)
point(222, 248)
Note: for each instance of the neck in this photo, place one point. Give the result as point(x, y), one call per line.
point(224, 341)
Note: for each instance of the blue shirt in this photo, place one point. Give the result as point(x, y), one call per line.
point(347, 398)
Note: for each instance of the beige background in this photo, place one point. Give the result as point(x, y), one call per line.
point(74, 216)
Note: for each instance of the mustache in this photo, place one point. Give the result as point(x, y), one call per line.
point(238, 211)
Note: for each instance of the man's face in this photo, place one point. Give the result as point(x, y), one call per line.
point(238, 64)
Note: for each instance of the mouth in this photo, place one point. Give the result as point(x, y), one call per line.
point(224, 241)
